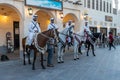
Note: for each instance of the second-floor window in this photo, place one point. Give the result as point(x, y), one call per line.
point(104, 6)
point(100, 5)
point(88, 3)
point(110, 8)
point(96, 4)
point(93, 4)
point(84, 3)
point(107, 7)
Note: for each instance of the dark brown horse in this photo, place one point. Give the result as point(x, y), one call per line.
point(41, 40)
point(89, 43)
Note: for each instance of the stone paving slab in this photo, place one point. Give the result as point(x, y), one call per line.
point(105, 66)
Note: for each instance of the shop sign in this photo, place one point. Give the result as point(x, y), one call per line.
point(49, 4)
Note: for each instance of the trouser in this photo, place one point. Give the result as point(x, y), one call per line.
point(50, 55)
point(111, 45)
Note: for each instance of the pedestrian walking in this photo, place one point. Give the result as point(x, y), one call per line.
point(111, 39)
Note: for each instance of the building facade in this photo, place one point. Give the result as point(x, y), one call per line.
point(15, 18)
point(102, 16)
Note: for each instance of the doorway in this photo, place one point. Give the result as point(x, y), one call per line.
point(16, 34)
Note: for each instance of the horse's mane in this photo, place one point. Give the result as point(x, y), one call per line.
point(46, 31)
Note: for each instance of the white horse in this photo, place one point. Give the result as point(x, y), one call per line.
point(62, 43)
point(78, 40)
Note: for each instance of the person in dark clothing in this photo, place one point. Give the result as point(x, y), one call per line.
point(111, 39)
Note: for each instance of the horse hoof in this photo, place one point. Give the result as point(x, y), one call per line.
point(78, 58)
point(94, 55)
point(74, 59)
point(62, 61)
point(87, 55)
point(59, 62)
point(24, 63)
point(29, 62)
point(33, 68)
point(43, 68)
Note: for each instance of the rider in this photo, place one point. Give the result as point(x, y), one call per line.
point(70, 27)
point(33, 28)
point(87, 32)
point(50, 49)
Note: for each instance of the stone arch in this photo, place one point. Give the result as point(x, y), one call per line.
point(13, 7)
point(70, 16)
point(44, 18)
point(19, 19)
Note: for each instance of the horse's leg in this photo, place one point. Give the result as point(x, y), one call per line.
point(33, 65)
point(92, 46)
point(24, 63)
point(61, 56)
point(75, 52)
point(28, 54)
point(58, 55)
point(42, 61)
point(79, 49)
point(88, 48)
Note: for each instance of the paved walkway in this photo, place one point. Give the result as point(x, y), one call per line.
point(105, 66)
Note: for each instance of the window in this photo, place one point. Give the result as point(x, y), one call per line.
point(100, 5)
point(96, 4)
point(104, 6)
point(93, 4)
point(110, 8)
point(107, 7)
point(84, 3)
point(88, 4)
point(114, 11)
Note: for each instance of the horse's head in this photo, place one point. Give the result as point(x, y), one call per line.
point(96, 36)
point(54, 34)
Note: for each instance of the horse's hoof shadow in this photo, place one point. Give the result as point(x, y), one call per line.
point(43, 67)
point(33, 68)
point(78, 58)
point(75, 59)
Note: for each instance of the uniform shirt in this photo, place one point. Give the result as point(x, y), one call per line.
point(52, 26)
point(86, 28)
point(68, 26)
point(34, 27)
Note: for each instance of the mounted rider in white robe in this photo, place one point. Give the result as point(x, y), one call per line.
point(70, 27)
point(87, 33)
point(33, 28)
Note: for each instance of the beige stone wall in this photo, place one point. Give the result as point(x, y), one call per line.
point(6, 25)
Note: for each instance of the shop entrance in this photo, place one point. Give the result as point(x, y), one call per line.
point(103, 30)
point(9, 31)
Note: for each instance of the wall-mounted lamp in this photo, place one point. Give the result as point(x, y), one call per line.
point(61, 15)
point(30, 11)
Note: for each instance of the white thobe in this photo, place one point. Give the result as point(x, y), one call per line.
point(52, 26)
point(32, 28)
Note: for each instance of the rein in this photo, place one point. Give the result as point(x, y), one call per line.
point(63, 33)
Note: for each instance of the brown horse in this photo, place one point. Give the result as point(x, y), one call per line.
point(41, 39)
